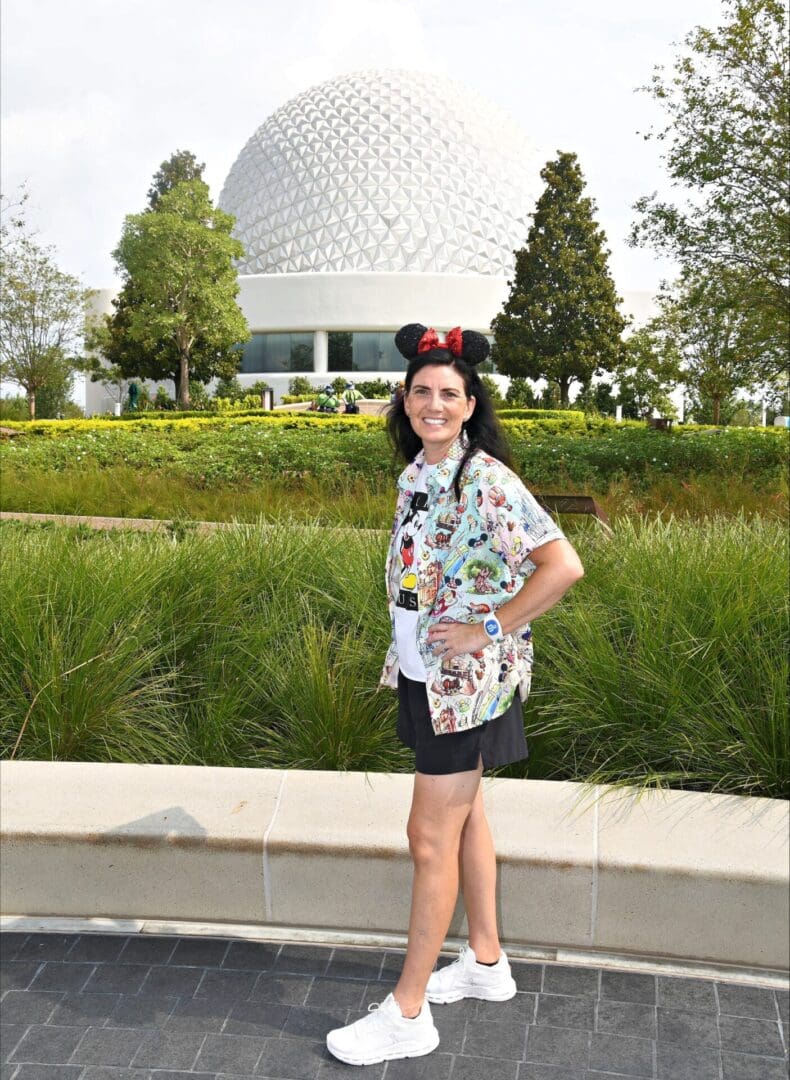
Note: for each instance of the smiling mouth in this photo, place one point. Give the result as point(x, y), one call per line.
point(433, 422)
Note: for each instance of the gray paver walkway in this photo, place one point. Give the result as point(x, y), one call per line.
point(109, 1007)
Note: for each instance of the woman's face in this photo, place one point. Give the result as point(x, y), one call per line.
point(437, 406)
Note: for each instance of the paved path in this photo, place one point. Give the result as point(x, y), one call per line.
point(162, 525)
point(109, 1007)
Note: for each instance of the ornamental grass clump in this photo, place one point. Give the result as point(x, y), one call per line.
point(87, 674)
point(670, 665)
point(667, 664)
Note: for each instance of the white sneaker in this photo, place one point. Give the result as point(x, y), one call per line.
point(465, 978)
point(384, 1034)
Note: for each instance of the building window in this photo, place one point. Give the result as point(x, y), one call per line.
point(364, 351)
point(488, 367)
point(341, 346)
point(277, 352)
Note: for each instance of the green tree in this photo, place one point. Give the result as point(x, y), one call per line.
point(114, 347)
point(42, 315)
point(179, 167)
point(722, 349)
point(551, 397)
point(13, 407)
point(699, 408)
point(198, 395)
point(110, 338)
point(177, 316)
point(115, 383)
point(561, 321)
point(53, 399)
point(747, 414)
point(727, 102)
point(519, 393)
point(300, 384)
point(492, 386)
point(777, 399)
point(596, 399)
point(229, 388)
point(649, 372)
point(603, 399)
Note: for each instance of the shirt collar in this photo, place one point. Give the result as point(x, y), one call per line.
point(442, 473)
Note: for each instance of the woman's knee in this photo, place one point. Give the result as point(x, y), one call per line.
point(476, 818)
point(440, 806)
point(431, 842)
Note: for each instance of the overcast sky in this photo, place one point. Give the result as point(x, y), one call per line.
point(97, 93)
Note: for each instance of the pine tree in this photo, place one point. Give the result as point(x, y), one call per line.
point(561, 321)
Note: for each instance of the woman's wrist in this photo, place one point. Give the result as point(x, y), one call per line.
point(492, 628)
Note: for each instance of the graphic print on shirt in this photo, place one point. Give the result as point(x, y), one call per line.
point(410, 527)
point(470, 556)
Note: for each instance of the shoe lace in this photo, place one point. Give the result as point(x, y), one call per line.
point(460, 958)
point(376, 1018)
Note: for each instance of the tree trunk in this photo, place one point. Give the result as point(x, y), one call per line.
point(716, 409)
point(31, 405)
point(182, 390)
point(564, 388)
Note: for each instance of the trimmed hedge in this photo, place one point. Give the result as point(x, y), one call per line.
point(507, 413)
point(234, 449)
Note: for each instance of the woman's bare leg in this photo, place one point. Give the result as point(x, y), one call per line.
point(440, 806)
point(477, 861)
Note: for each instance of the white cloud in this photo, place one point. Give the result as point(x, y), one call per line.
point(352, 35)
point(95, 95)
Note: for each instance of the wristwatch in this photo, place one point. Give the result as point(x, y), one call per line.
point(492, 627)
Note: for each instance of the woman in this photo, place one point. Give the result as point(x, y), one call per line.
point(473, 559)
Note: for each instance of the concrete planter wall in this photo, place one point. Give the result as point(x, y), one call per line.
point(677, 874)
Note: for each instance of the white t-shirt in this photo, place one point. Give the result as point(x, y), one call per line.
point(407, 544)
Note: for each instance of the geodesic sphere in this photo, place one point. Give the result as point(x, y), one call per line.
point(384, 171)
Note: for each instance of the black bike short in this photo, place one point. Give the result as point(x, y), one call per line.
point(500, 741)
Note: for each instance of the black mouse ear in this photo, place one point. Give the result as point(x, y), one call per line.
point(475, 347)
point(408, 338)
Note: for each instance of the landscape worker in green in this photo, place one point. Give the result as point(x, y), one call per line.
point(327, 400)
point(351, 398)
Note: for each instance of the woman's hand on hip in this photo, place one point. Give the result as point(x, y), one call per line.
point(449, 639)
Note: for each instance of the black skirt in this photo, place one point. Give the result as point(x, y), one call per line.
point(500, 741)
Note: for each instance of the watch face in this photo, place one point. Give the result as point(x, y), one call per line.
point(491, 627)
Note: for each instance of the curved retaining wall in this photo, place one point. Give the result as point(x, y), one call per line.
point(675, 874)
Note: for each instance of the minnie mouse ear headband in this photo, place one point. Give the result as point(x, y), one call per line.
point(414, 339)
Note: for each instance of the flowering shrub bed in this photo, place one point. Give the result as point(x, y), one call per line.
point(589, 454)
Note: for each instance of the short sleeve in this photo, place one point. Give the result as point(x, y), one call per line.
point(518, 522)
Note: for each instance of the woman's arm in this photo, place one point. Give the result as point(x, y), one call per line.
point(557, 567)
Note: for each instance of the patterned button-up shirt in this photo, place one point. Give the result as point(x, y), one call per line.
point(473, 557)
